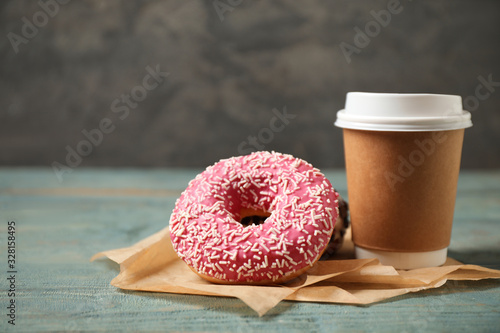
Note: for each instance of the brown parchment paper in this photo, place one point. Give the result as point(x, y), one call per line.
point(153, 265)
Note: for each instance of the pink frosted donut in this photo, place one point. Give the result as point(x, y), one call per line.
point(298, 203)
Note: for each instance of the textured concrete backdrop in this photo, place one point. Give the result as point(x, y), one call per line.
point(85, 82)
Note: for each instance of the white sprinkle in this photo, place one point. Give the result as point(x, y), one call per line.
point(290, 259)
point(245, 237)
point(218, 267)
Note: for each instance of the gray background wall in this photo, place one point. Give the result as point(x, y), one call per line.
point(230, 64)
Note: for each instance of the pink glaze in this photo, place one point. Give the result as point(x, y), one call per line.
point(207, 235)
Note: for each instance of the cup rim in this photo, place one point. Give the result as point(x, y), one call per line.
point(408, 124)
point(402, 112)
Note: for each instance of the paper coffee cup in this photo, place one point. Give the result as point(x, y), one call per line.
point(402, 155)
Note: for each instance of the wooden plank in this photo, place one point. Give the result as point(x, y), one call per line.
point(61, 225)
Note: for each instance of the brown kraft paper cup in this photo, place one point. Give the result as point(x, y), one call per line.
point(402, 188)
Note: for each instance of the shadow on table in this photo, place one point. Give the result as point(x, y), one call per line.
point(489, 258)
point(216, 304)
point(449, 288)
point(237, 307)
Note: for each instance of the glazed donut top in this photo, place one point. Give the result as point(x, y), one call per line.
point(301, 204)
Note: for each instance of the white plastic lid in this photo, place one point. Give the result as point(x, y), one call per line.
point(403, 112)
point(404, 260)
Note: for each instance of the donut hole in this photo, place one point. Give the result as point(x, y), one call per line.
point(252, 216)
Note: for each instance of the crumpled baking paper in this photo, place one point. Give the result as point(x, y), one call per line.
point(153, 265)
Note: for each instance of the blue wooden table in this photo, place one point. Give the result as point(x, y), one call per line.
point(58, 226)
